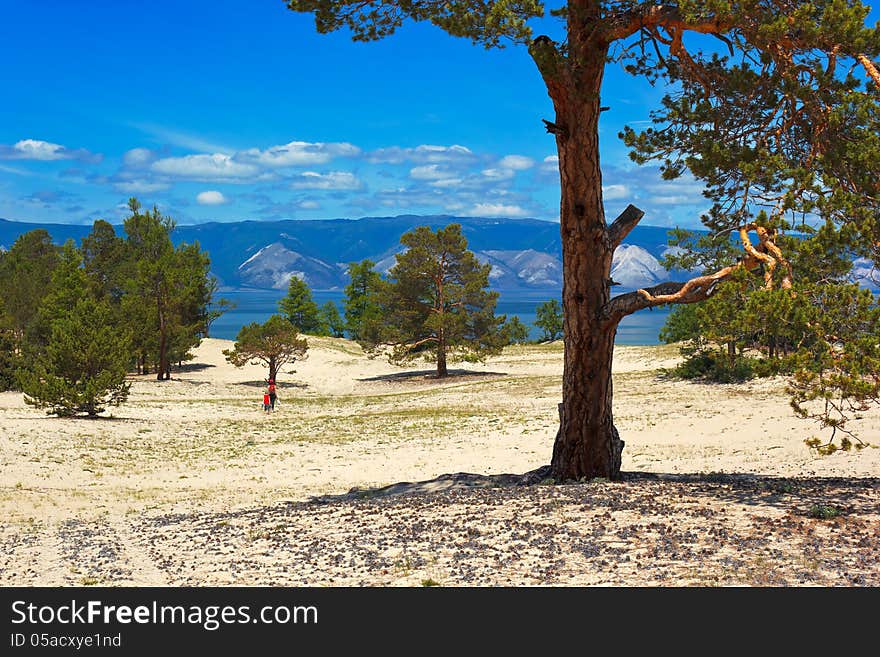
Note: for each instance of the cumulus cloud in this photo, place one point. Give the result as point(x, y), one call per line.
point(550, 164)
point(138, 157)
point(298, 153)
point(516, 162)
point(497, 210)
point(498, 174)
point(205, 167)
point(615, 192)
point(211, 197)
point(429, 172)
point(447, 182)
point(335, 180)
point(45, 151)
point(422, 154)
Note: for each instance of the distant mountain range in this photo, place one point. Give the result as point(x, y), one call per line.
point(524, 253)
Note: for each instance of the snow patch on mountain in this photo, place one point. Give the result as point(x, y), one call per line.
point(274, 265)
point(632, 266)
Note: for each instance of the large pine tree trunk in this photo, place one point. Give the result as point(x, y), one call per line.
point(587, 443)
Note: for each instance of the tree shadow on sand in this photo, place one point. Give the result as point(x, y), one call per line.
point(817, 497)
point(430, 375)
point(192, 367)
point(280, 385)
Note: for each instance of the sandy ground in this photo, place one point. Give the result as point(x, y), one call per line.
point(191, 483)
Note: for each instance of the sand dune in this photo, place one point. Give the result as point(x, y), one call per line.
point(135, 498)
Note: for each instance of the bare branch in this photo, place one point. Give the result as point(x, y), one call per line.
point(701, 288)
point(642, 17)
point(622, 226)
point(870, 68)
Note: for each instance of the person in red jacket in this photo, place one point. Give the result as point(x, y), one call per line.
point(267, 403)
point(272, 395)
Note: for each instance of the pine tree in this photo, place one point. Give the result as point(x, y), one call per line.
point(515, 331)
point(329, 316)
point(361, 297)
point(168, 291)
point(25, 276)
point(549, 318)
point(300, 309)
point(435, 304)
point(274, 344)
point(82, 367)
point(104, 258)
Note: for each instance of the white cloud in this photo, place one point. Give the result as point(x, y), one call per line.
point(139, 186)
point(498, 174)
point(211, 197)
point(138, 157)
point(429, 172)
point(298, 153)
point(550, 164)
point(204, 167)
point(45, 151)
point(516, 162)
point(497, 210)
point(446, 182)
point(424, 153)
point(308, 205)
point(338, 180)
point(615, 192)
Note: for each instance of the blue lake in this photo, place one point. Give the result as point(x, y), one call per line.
point(640, 328)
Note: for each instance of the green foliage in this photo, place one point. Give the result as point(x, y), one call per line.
point(300, 309)
point(10, 361)
point(515, 330)
point(274, 344)
point(714, 366)
point(549, 318)
point(435, 304)
point(487, 23)
point(167, 291)
point(362, 298)
point(329, 316)
point(104, 257)
point(823, 512)
point(83, 366)
point(25, 275)
point(837, 372)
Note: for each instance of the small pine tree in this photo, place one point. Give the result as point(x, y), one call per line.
point(274, 344)
point(299, 308)
point(361, 297)
point(331, 319)
point(83, 367)
point(549, 319)
point(516, 331)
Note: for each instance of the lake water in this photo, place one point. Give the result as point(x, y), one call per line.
point(640, 328)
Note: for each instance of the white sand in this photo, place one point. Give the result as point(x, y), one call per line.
point(201, 445)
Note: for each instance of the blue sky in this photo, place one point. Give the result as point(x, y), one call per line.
point(237, 109)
